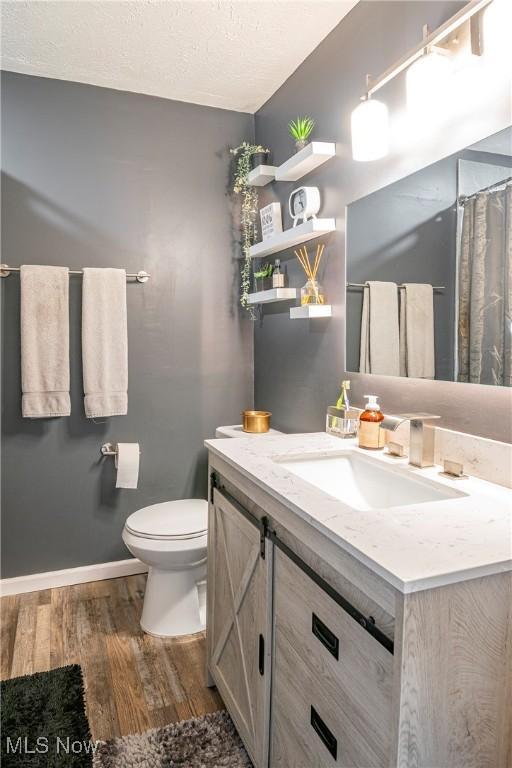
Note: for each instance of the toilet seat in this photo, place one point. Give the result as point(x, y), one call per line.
point(184, 519)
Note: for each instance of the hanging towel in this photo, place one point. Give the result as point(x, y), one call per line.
point(104, 342)
point(417, 355)
point(379, 351)
point(44, 341)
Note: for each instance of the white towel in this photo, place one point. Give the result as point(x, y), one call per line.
point(379, 351)
point(104, 343)
point(417, 352)
point(45, 341)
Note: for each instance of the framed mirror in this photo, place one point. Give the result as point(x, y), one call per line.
point(429, 271)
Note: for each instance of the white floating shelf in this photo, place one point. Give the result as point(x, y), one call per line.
point(294, 236)
point(310, 311)
point(261, 175)
point(273, 294)
point(314, 154)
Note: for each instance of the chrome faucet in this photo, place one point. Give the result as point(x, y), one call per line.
point(421, 443)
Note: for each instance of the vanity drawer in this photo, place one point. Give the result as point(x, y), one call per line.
point(349, 666)
point(309, 728)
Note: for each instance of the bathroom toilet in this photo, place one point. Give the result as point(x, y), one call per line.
point(171, 538)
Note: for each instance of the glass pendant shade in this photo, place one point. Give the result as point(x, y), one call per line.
point(370, 130)
point(427, 84)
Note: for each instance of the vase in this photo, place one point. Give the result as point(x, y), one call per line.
point(260, 158)
point(312, 293)
point(301, 144)
point(262, 283)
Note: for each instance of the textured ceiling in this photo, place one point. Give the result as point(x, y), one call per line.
point(223, 53)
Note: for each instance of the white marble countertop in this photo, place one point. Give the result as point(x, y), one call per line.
point(412, 547)
point(237, 430)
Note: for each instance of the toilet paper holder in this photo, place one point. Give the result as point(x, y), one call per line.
point(110, 449)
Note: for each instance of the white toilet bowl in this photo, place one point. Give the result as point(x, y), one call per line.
point(171, 538)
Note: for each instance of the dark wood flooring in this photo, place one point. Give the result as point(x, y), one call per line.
point(133, 681)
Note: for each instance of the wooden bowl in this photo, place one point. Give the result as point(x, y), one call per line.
point(256, 421)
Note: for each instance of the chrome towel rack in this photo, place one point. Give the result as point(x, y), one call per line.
point(363, 285)
point(140, 277)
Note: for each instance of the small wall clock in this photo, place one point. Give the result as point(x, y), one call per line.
point(304, 203)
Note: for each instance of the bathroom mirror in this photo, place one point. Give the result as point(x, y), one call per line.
point(447, 229)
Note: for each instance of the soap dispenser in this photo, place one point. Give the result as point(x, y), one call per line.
point(371, 436)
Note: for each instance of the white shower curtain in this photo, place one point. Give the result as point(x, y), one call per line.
point(485, 289)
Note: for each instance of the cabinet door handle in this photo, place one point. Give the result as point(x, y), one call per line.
point(326, 637)
point(327, 738)
point(261, 655)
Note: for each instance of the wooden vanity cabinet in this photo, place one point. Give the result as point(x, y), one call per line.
point(321, 663)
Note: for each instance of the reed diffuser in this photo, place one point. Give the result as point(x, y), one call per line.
point(312, 292)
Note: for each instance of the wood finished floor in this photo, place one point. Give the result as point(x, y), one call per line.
point(133, 682)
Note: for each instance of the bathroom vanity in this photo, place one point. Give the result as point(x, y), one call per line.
point(359, 610)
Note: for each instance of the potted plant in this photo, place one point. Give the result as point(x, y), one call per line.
point(263, 277)
point(300, 130)
point(249, 210)
point(261, 156)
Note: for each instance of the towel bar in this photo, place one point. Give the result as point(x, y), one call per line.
point(363, 285)
point(140, 277)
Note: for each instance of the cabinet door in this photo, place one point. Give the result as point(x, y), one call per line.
point(239, 620)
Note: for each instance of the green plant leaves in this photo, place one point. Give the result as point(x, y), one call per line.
point(301, 128)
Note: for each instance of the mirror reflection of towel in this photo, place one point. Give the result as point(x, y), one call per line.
point(417, 355)
point(379, 352)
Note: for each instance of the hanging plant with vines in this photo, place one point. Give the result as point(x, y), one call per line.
point(249, 212)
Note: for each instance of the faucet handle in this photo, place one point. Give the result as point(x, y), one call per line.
point(453, 469)
point(395, 449)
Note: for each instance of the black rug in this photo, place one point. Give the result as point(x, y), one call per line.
point(43, 718)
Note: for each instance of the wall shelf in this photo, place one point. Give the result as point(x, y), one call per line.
point(308, 230)
point(310, 311)
point(272, 295)
point(312, 156)
point(261, 175)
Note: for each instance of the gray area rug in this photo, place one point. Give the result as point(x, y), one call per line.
point(210, 741)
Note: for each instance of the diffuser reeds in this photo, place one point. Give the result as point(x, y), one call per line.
point(311, 294)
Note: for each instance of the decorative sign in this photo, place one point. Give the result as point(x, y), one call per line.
point(271, 221)
point(304, 202)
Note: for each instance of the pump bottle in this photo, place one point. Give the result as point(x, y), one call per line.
point(371, 436)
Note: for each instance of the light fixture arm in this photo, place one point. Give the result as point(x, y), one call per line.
point(430, 40)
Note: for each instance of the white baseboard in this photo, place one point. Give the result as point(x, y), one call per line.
point(34, 582)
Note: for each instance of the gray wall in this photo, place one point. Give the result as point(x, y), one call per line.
point(299, 364)
point(105, 178)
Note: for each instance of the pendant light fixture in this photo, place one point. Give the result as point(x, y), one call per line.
point(370, 128)
point(428, 81)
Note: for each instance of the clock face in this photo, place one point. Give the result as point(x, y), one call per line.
point(299, 202)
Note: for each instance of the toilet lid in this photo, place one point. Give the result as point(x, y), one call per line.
point(183, 519)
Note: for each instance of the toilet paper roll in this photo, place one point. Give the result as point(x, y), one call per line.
point(127, 465)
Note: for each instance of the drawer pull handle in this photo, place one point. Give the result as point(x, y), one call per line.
point(327, 738)
point(261, 655)
point(326, 637)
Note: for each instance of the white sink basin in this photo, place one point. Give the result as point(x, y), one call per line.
point(365, 483)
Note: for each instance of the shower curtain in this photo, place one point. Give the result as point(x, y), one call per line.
point(485, 289)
